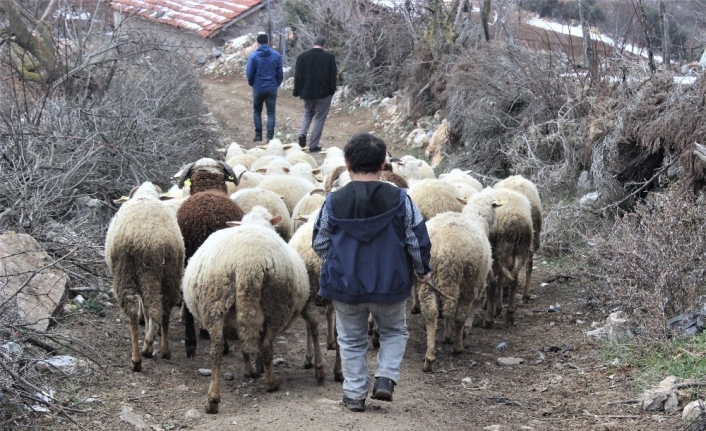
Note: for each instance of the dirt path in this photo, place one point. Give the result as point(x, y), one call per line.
point(568, 387)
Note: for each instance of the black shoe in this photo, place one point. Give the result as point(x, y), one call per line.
point(354, 405)
point(269, 138)
point(257, 138)
point(383, 389)
point(302, 141)
point(315, 150)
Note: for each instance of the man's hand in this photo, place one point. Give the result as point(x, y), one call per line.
point(424, 278)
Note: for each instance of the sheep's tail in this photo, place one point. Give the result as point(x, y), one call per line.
point(249, 315)
point(509, 271)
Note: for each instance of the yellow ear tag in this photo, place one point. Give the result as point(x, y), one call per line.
point(231, 178)
point(123, 197)
point(187, 182)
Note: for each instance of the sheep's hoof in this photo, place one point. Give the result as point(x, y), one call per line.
point(338, 376)
point(226, 348)
point(190, 351)
point(272, 385)
point(308, 365)
point(428, 365)
point(135, 366)
point(146, 354)
point(320, 374)
point(488, 324)
point(446, 340)
point(456, 351)
point(166, 355)
point(331, 345)
point(212, 406)
point(204, 335)
point(510, 319)
point(525, 299)
point(416, 309)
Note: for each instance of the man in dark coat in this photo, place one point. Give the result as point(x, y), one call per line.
point(265, 74)
point(315, 82)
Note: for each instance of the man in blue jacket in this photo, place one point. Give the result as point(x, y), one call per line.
point(265, 74)
point(373, 242)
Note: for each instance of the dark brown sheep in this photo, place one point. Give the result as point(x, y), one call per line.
point(206, 211)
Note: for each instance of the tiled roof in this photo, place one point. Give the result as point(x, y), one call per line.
point(204, 17)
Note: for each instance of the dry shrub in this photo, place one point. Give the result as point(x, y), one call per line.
point(497, 93)
point(566, 225)
point(371, 43)
point(651, 262)
point(652, 125)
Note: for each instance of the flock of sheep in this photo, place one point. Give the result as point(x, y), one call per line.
point(231, 242)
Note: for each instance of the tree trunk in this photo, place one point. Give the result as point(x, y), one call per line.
point(484, 13)
point(589, 52)
point(643, 21)
point(666, 42)
point(33, 37)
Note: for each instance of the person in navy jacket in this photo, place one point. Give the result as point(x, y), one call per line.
point(374, 244)
point(264, 72)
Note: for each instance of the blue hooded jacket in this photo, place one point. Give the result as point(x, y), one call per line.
point(370, 256)
point(264, 70)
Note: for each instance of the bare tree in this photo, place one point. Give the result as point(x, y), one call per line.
point(589, 52)
point(666, 42)
point(643, 21)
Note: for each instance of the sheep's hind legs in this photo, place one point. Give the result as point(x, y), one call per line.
point(330, 326)
point(528, 278)
point(266, 350)
point(214, 393)
point(312, 331)
point(164, 351)
point(430, 312)
point(135, 357)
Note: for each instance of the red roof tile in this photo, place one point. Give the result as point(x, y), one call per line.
point(204, 17)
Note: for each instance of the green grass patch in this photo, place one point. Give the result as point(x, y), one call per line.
point(683, 358)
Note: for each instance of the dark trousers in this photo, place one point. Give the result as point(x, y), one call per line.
point(269, 98)
point(317, 110)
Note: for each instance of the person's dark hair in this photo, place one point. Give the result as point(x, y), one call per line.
point(365, 153)
point(320, 41)
point(262, 39)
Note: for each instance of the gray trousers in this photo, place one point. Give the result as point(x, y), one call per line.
point(316, 109)
point(352, 328)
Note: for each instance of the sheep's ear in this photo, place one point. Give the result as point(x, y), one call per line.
point(264, 147)
point(261, 170)
point(399, 162)
point(316, 171)
point(496, 204)
point(287, 146)
point(321, 192)
point(463, 201)
point(274, 221)
point(285, 169)
point(165, 197)
point(302, 218)
point(121, 201)
point(233, 223)
point(281, 197)
point(468, 172)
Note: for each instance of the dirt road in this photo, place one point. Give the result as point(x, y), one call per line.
point(563, 383)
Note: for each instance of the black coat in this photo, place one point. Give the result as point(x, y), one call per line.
point(315, 74)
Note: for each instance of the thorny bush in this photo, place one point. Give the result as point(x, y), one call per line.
point(651, 263)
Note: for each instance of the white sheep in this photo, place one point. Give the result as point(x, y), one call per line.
point(247, 199)
point(312, 201)
point(248, 180)
point(261, 164)
point(301, 243)
point(461, 258)
point(304, 170)
point(511, 241)
point(298, 156)
point(244, 159)
point(527, 188)
point(233, 149)
point(434, 197)
point(464, 177)
point(413, 169)
point(292, 189)
point(145, 255)
point(246, 280)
